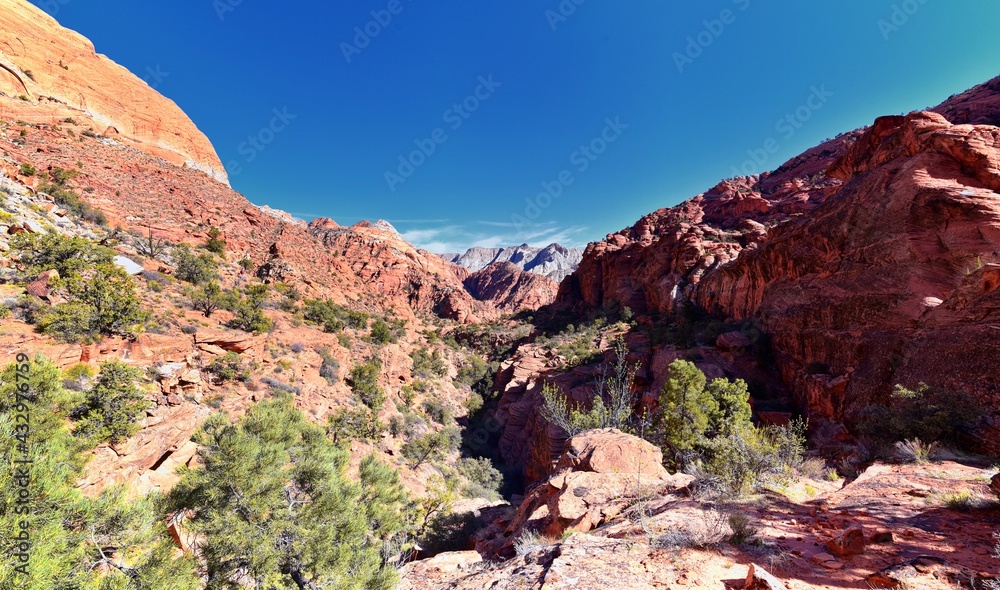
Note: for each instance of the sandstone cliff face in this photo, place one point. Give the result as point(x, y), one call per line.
point(510, 289)
point(393, 269)
point(893, 280)
point(874, 254)
point(553, 261)
point(61, 76)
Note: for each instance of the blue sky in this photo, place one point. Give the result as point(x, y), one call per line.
point(496, 123)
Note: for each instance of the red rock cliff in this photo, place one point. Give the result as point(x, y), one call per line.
point(60, 75)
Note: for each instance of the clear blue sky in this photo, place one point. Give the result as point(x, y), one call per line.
point(556, 81)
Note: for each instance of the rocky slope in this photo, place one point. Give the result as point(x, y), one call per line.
point(49, 73)
point(873, 256)
point(510, 289)
point(611, 518)
point(553, 261)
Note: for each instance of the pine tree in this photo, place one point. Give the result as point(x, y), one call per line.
point(277, 509)
point(685, 407)
point(112, 407)
point(108, 543)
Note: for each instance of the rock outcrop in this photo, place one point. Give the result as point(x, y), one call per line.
point(49, 74)
point(875, 256)
point(510, 289)
point(553, 261)
point(599, 474)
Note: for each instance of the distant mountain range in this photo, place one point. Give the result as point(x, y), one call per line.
point(553, 261)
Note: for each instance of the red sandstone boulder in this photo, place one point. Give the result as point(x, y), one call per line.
point(759, 579)
point(850, 542)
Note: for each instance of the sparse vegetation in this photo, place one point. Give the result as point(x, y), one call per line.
point(111, 409)
point(228, 368)
point(215, 243)
point(329, 369)
point(616, 412)
point(930, 414)
point(276, 507)
point(248, 310)
point(101, 300)
point(428, 364)
point(197, 269)
point(66, 198)
point(364, 383)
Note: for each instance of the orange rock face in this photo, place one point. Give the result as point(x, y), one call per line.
point(61, 76)
point(875, 255)
point(511, 289)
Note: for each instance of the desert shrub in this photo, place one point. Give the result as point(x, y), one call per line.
point(68, 322)
point(962, 501)
point(433, 446)
point(473, 403)
point(246, 264)
point(364, 384)
point(329, 368)
point(215, 243)
point(749, 459)
point(472, 371)
point(275, 507)
point(229, 367)
point(248, 310)
point(930, 414)
point(324, 313)
point(209, 298)
point(345, 425)
point(112, 407)
point(529, 541)
point(381, 333)
point(297, 347)
point(27, 170)
point(197, 269)
point(279, 386)
point(743, 527)
point(437, 410)
point(616, 412)
point(428, 364)
point(914, 451)
point(484, 480)
point(25, 307)
point(103, 303)
point(69, 256)
point(77, 377)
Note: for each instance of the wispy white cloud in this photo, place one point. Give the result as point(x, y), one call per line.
point(458, 238)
